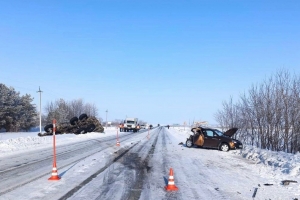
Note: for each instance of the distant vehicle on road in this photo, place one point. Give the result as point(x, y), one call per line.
point(143, 126)
point(131, 124)
point(213, 138)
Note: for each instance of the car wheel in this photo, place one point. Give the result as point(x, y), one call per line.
point(74, 120)
point(224, 147)
point(49, 128)
point(80, 131)
point(189, 143)
point(83, 117)
point(90, 128)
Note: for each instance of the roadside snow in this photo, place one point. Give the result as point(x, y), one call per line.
point(26, 141)
point(286, 163)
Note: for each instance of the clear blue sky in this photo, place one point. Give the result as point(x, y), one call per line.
point(161, 61)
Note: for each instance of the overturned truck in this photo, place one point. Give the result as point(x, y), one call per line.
point(81, 125)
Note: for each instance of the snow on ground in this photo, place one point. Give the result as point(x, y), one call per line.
point(264, 167)
point(278, 165)
point(286, 163)
point(26, 141)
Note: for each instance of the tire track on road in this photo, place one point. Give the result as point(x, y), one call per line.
point(131, 166)
point(32, 167)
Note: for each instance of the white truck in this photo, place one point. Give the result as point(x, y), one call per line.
point(131, 124)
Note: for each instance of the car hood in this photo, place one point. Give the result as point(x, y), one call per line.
point(231, 132)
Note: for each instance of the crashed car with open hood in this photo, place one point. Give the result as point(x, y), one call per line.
point(213, 138)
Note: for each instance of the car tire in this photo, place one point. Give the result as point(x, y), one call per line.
point(80, 131)
point(49, 128)
point(40, 134)
point(90, 128)
point(83, 117)
point(74, 120)
point(189, 143)
point(224, 147)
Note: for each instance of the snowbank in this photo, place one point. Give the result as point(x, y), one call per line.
point(286, 163)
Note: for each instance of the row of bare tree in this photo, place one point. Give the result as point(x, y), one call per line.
point(269, 115)
point(63, 111)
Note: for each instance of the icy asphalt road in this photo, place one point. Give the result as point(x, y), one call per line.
point(138, 169)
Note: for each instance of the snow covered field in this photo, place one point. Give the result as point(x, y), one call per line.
point(199, 173)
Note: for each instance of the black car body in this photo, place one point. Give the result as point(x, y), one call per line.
point(213, 138)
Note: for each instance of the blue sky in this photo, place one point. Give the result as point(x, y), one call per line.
point(161, 61)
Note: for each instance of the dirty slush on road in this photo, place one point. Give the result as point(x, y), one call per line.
point(127, 172)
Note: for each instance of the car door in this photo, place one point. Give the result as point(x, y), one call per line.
point(210, 140)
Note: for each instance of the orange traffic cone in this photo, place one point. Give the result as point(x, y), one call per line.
point(54, 175)
point(118, 143)
point(171, 185)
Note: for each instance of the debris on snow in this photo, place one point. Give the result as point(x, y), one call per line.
point(268, 184)
point(287, 182)
point(254, 193)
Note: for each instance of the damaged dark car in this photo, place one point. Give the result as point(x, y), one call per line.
point(213, 138)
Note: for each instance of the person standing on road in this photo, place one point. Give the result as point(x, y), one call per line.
point(121, 127)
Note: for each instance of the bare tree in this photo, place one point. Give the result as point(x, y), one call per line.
point(91, 109)
point(76, 107)
point(269, 115)
point(63, 111)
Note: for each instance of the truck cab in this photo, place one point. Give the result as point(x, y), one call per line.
point(131, 124)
